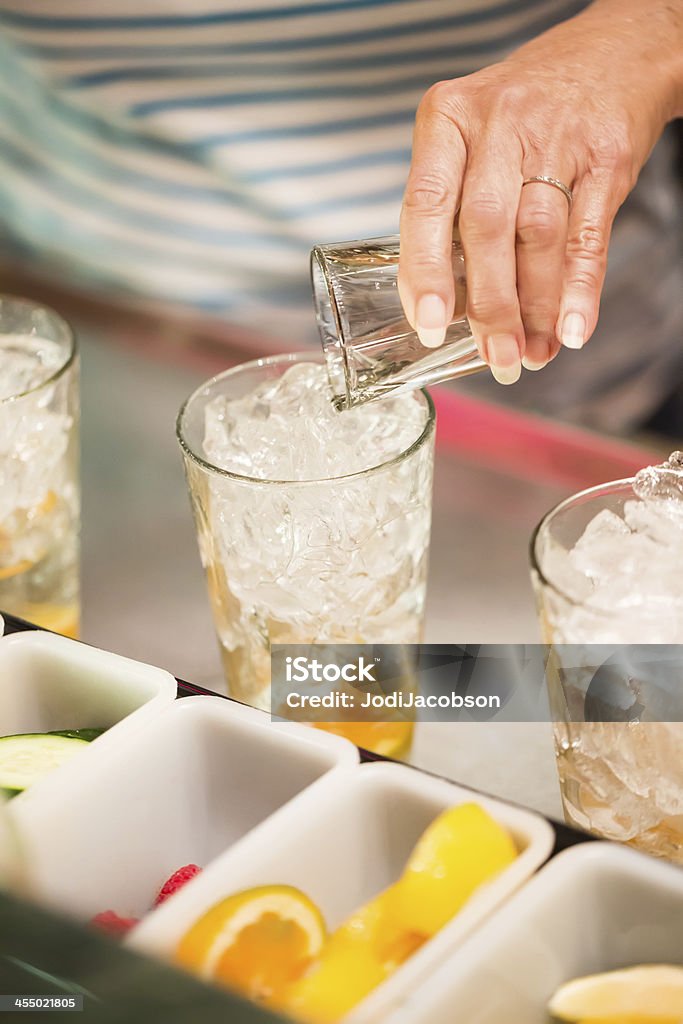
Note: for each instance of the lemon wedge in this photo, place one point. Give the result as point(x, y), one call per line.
point(364, 950)
point(651, 994)
point(462, 848)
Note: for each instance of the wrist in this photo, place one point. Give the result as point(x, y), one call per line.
point(650, 32)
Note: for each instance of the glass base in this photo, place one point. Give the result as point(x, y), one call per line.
point(390, 739)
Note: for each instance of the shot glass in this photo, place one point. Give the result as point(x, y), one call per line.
point(613, 673)
point(341, 560)
point(369, 346)
point(39, 457)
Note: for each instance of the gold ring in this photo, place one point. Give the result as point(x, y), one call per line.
point(545, 180)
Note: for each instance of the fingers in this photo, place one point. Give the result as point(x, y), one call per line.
point(542, 224)
point(595, 205)
point(487, 226)
point(431, 198)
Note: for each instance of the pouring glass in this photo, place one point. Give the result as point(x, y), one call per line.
point(370, 348)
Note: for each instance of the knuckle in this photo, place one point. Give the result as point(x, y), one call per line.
point(427, 192)
point(585, 280)
point(490, 306)
point(484, 213)
point(513, 97)
point(429, 264)
point(612, 151)
point(438, 97)
point(589, 242)
point(445, 99)
point(538, 225)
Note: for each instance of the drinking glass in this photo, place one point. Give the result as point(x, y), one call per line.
point(341, 560)
point(39, 492)
point(369, 346)
point(614, 677)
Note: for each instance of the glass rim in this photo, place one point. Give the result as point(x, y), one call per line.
point(291, 357)
point(70, 334)
point(611, 487)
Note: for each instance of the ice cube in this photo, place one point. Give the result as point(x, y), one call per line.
point(599, 551)
point(26, 362)
point(660, 520)
point(33, 430)
point(661, 482)
point(565, 576)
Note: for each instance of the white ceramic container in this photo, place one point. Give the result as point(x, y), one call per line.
point(182, 789)
point(342, 844)
point(595, 907)
point(49, 683)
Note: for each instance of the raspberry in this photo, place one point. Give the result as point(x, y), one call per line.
point(110, 922)
point(177, 880)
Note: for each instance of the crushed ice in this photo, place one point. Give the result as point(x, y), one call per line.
point(632, 559)
point(33, 430)
point(338, 561)
point(288, 429)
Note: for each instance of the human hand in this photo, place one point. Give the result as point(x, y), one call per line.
point(583, 104)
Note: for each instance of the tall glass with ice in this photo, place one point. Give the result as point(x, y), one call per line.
point(313, 525)
point(39, 494)
point(607, 568)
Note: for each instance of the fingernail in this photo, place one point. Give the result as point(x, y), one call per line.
point(503, 353)
point(573, 333)
point(430, 320)
point(530, 364)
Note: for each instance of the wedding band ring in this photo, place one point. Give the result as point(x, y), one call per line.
point(545, 180)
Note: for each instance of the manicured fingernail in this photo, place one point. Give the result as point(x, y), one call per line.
point(430, 320)
point(531, 364)
point(503, 353)
point(573, 333)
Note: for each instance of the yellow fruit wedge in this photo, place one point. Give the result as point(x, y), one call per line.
point(257, 942)
point(375, 925)
point(344, 974)
point(650, 994)
point(463, 848)
point(358, 956)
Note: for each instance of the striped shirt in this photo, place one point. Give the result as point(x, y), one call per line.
point(195, 151)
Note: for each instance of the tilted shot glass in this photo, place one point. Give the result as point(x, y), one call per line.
point(370, 348)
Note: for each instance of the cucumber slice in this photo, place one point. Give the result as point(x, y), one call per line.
point(7, 794)
point(78, 734)
point(27, 758)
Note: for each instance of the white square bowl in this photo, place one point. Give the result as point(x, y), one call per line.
point(596, 907)
point(341, 845)
point(190, 784)
point(49, 682)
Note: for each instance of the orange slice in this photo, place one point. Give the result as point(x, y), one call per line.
point(257, 942)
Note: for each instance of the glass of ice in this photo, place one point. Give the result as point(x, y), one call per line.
point(607, 569)
point(39, 493)
point(313, 524)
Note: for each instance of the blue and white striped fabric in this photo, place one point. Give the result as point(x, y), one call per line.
point(194, 151)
